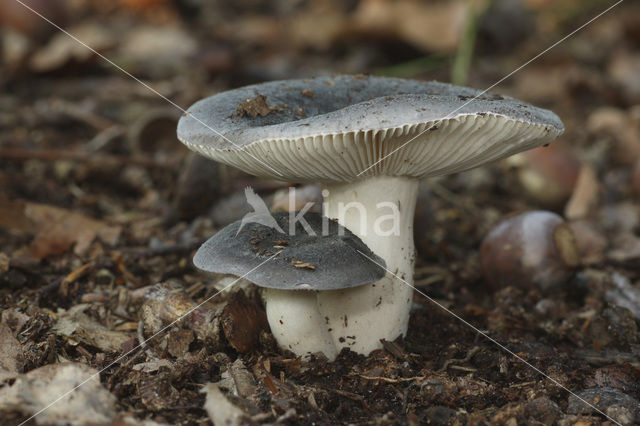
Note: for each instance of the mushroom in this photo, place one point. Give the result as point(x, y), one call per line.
point(317, 255)
point(368, 141)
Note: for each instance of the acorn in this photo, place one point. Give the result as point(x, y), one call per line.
point(535, 250)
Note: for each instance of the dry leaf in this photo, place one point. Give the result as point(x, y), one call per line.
point(585, 195)
point(430, 26)
point(62, 49)
point(57, 229)
point(11, 359)
point(77, 325)
point(220, 410)
point(242, 322)
point(88, 404)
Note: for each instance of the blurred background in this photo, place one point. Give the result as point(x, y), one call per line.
point(79, 134)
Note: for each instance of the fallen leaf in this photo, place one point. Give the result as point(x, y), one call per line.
point(159, 51)
point(429, 26)
point(77, 325)
point(152, 366)
point(244, 382)
point(62, 50)
point(11, 360)
point(242, 322)
point(220, 410)
point(14, 319)
point(56, 229)
point(178, 341)
point(157, 392)
point(585, 195)
point(36, 390)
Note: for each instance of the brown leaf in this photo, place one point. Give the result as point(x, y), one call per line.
point(242, 322)
point(178, 342)
point(62, 50)
point(430, 26)
point(57, 230)
point(78, 326)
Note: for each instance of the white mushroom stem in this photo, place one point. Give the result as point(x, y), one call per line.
point(380, 211)
point(296, 322)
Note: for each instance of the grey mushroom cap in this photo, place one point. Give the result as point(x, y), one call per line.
point(330, 260)
point(331, 129)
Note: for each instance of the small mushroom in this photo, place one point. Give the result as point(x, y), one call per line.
point(368, 141)
point(317, 255)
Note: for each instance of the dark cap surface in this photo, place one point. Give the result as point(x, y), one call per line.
point(324, 261)
point(331, 129)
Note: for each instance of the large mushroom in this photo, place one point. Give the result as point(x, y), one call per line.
point(368, 141)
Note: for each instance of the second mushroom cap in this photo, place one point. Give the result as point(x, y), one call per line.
point(316, 260)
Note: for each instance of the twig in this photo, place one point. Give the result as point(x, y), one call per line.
point(104, 137)
point(74, 276)
point(463, 368)
point(521, 385)
point(599, 358)
point(52, 286)
point(448, 363)
point(390, 380)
